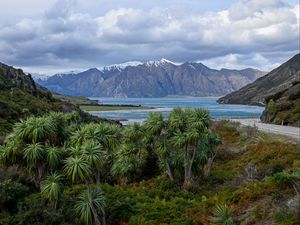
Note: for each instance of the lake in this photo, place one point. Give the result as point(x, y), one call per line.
point(165, 105)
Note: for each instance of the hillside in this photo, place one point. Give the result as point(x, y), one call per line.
point(284, 107)
point(277, 81)
point(151, 79)
point(20, 97)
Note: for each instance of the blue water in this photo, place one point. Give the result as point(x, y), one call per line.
point(165, 105)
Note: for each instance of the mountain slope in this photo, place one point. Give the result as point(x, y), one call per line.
point(284, 107)
point(274, 82)
point(151, 79)
point(20, 97)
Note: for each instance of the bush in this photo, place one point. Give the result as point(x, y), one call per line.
point(284, 179)
point(10, 194)
point(222, 215)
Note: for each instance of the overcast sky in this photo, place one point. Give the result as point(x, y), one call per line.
point(48, 36)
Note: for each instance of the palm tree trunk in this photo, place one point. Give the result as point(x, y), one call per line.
point(169, 172)
point(98, 178)
point(103, 216)
point(186, 168)
point(94, 212)
point(191, 162)
point(207, 168)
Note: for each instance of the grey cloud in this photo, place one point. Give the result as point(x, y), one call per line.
point(65, 37)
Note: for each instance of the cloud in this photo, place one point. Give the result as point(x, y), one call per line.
point(247, 33)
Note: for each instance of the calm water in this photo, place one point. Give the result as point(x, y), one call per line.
point(165, 105)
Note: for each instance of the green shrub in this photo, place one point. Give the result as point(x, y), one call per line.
point(10, 194)
point(285, 217)
point(283, 178)
point(222, 215)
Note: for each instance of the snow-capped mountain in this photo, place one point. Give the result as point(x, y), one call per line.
point(121, 66)
point(39, 76)
point(151, 79)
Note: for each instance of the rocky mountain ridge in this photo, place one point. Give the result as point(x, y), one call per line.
point(276, 81)
point(151, 79)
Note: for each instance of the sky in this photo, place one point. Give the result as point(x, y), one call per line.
point(49, 36)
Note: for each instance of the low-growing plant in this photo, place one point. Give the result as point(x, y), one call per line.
point(222, 215)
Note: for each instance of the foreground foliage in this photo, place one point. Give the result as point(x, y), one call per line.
point(104, 174)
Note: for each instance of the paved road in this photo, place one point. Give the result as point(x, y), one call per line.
point(293, 132)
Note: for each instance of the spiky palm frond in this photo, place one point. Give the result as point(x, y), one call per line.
point(77, 168)
point(133, 133)
point(75, 151)
point(33, 153)
point(177, 119)
point(51, 187)
point(108, 135)
point(155, 123)
point(53, 155)
point(222, 215)
point(38, 129)
point(93, 154)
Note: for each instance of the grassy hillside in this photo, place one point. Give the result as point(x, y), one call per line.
point(76, 100)
point(21, 97)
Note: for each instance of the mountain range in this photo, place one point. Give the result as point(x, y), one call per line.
point(150, 79)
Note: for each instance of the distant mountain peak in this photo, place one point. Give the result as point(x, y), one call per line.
point(160, 62)
point(121, 66)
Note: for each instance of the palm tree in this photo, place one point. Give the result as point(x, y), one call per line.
point(53, 155)
point(85, 205)
point(189, 127)
point(133, 135)
point(156, 127)
point(209, 151)
point(108, 136)
point(58, 120)
point(155, 123)
point(35, 129)
point(129, 160)
point(77, 168)
point(33, 153)
point(78, 137)
point(94, 156)
point(51, 187)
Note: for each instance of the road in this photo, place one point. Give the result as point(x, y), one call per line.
point(293, 132)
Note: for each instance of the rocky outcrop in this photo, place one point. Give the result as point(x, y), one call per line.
point(152, 79)
point(274, 82)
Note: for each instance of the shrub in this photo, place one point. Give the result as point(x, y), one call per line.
point(283, 178)
point(222, 215)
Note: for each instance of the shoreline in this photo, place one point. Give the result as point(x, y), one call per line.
point(113, 107)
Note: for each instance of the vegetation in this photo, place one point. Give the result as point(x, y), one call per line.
point(21, 97)
point(76, 100)
point(284, 107)
point(111, 107)
point(182, 170)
